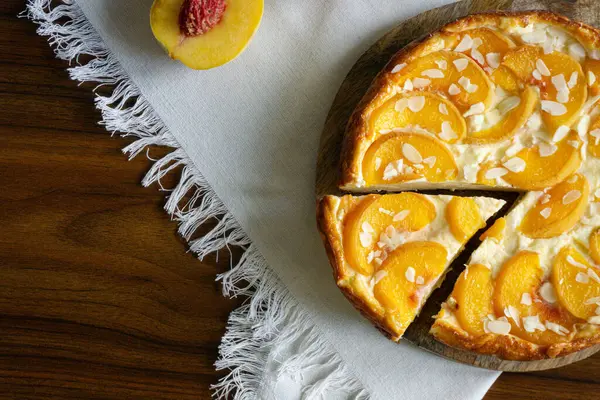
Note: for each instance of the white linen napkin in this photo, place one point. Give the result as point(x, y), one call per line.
point(252, 129)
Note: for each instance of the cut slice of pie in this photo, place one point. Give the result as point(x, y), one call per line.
point(390, 251)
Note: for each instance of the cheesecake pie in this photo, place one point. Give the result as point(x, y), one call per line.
point(490, 102)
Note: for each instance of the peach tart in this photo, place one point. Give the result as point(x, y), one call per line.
point(494, 102)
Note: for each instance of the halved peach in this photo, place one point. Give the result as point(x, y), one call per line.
point(575, 284)
point(558, 210)
point(403, 211)
point(541, 172)
point(506, 79)
point(401, 157)
point(473, 294)
point(427, 74)
point(522, 274)
point(595, 245)
point(592, 74)
point(410, 270)
point(463, 217)
point(222, 34)
point(551, 72)
point(484, 45)
point(430, 111)
point(513, 120)
point(496, 231)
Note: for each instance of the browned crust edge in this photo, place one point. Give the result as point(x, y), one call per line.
point(356, 138)
point(509, 347)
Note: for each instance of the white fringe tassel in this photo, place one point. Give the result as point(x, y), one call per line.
point(270, 336)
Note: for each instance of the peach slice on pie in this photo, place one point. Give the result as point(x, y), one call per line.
point(576, 283)
point(375, 215)
point(483, 45)
point(563, 87)
point(528, 302)
point(594, 138)
point(473, 295)
point(496, 231)
point(464, 218)
point(506, 79)
point(452, 73)
point(592, 74)
point(545, 165)
point(429, 111)
point(410, 271)
point(516, 111)
point(595, 245)
point(558, 209)
point(402, 157)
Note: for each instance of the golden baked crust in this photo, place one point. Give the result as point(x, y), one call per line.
point(357, 137)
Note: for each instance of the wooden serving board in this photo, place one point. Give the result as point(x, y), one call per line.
point(352, 89)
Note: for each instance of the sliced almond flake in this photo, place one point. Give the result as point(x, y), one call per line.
point(526, 299)
point(547, 292)
point(409, 274)
point(408, 85)
point(582, 278)
point(449, 174)
point(515, 164)
point(548, 46)
point(508, 104)
point(377, 163)
point(476, 43)
point(384, 211)
point(571, 196)
point(559, 82)
point(453, 90)
point(464, 81)
point(556, 328)
point(409, 170)
point(493, 59)
point(583, 125)
point(366, 227)
point(553, 108)
point(460, 64)
point(470, 172)
point(534, 37)
point(561, 133)
point(595, 54)
point(573, 80)
point(476, 108)
point(594, 320)
point(495, 173)
point(420, 83)
point(372, 255)
point(384, 131)
point(411, 153)
point(512, 312)
point(442, 64)
point(592, 274)
point(576, 51)
point(443, 109)
point(430, 161)
point(574, 143)
point(401, 104)
point(533, 323)
point(562, 96)
point(447, 131)
point(536, 75)
point(400, 216)
point(499, 327)
point(591, 78)
point(379, 275)
point(547, 149)
point(541, 66)
point(545, 198)
point(465, 44)
point(418, 166)
point(575, 263)
point(416, 103)
point(390, 172)
point(546, 212)
point(366, 239)
point(593, 300)
point(433, 73)
point(398, 68)
point(420, 280)
point(514, 149)
point(477, 56)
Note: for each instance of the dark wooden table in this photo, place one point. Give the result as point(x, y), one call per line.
point(98, 296)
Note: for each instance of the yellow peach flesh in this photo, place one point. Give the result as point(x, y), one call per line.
point(473, 295)
point(464, 218)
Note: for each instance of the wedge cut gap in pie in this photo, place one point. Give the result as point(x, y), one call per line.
point(494, 102)
point(390, 251)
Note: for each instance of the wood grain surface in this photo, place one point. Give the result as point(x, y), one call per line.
point(351, 91)
point(98, 297)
